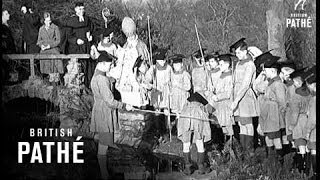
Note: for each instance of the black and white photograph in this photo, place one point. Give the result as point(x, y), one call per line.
point(158, 89)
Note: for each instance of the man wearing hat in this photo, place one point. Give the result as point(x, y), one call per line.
point(104, 120)
point(310, 127)
point(273, 105)
point(244, 105)
point(133, 41)
point(132, 49)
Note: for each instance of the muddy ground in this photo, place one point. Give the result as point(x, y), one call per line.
point(162, 161)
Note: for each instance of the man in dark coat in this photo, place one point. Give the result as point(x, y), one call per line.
point(79, 29)
point(31, 25)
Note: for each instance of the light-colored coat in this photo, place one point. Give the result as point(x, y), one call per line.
point(50, 37)
point(200, 79)
point(162, 81)
point(298, 108)
point(259, 86)
point(310, 127)
point(273, 106)
point(141, 48)
point(180, 85)
point(215, 77)
point(104, 117)
point(244, 75)
point(223, 93)
point(200, 128)
point(291, 100)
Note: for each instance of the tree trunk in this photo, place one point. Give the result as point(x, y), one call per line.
point(275, 18)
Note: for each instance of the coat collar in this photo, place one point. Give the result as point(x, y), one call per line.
point(303, 91)
point(277, 78)
point(225, 74)
point(215, 70)
point(179, 72)
point(161, 67)
point(49, 28)
point(249, 58)
point(98, 72)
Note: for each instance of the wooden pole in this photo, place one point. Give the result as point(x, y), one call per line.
point(158, 112)
point(150, 41)
point(202, 56)
point(169, 119)
point(32, 75)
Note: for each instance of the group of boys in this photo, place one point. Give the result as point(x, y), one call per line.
point(228, 87)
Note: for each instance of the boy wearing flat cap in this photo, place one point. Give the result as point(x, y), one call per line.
point(244, 105)
point(287, 68)
point(190, 130)
point(296, 118)
point(214, 70)
point(310, 127)
point(180, 84)
point(272, 105)
point(104, 120)
point(223, 94)
point(200, 76)
point(144, 78)
point(261, 82)
point(291, 100)
point(160, 80)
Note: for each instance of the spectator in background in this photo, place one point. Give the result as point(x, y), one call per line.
point(7, 41)
point(48, 41)
point(79, 36)
point(31, 25)
point(7, 45)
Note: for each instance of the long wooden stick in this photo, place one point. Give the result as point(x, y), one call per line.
point(169, 119)
point(232, 98)
point(150, 42)
point(203, 62)
point(184, 116)
point(195, 26)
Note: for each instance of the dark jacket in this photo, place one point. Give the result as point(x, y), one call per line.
point(7, 41)
point(77, 30)
point(31, 27)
